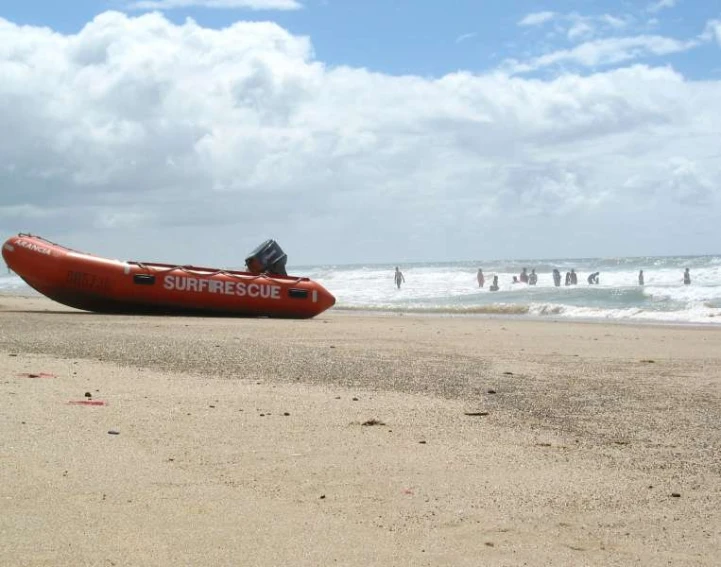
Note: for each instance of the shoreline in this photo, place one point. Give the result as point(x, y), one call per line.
point(366, 312)
point(525, 317)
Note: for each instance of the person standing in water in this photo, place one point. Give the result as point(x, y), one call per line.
point(686, 277)
point(640, 277)
point(494, 285)
point(399, 279)
point(481, 279)
point(568, 278)
point(574, 277)
point(556, 277)
point(524, 276)
point(533, 278)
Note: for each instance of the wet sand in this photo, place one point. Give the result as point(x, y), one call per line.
point(355, 439)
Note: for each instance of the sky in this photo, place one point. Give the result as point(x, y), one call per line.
point(366, 131)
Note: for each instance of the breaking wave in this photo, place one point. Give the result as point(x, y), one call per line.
point(451, 289)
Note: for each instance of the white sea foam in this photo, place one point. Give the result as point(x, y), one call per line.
point(13, 284)
point(452, 288)
point(694, 314)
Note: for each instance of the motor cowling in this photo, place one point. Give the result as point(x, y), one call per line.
point(268, 258)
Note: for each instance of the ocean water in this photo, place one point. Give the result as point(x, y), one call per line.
point(12, 284)
point(451, 289)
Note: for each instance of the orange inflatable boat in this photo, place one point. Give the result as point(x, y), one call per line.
point(92, 283)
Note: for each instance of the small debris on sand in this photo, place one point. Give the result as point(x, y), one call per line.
point(37, 375)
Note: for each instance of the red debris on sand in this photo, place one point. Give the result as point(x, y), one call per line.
point(87, 403)
point(37, 375)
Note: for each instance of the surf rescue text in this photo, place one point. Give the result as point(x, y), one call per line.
point(241, 289)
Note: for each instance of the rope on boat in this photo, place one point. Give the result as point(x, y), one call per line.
point(205, 273)
point(192, 270)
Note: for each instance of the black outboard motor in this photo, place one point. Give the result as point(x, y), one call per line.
point(268, 258)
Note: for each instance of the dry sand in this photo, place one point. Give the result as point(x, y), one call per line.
point(242, 442)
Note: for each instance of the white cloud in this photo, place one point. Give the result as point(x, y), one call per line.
point(463, 37)
point(713, 31)
point(609, 51)
point(536, 18)
point(687, 184)
point(247, 4)
point(660, 5)
point(580, 29)
point(613, 21)
point(137, 137)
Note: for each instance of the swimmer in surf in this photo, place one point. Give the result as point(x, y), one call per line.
point(556, 277)
point(399, 279)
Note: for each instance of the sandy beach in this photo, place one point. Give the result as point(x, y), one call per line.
point(355, 439)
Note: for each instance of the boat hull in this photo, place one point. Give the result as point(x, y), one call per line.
point(92, 283)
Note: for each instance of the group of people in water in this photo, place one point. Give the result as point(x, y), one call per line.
point(532, 278)
point(571, 278)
